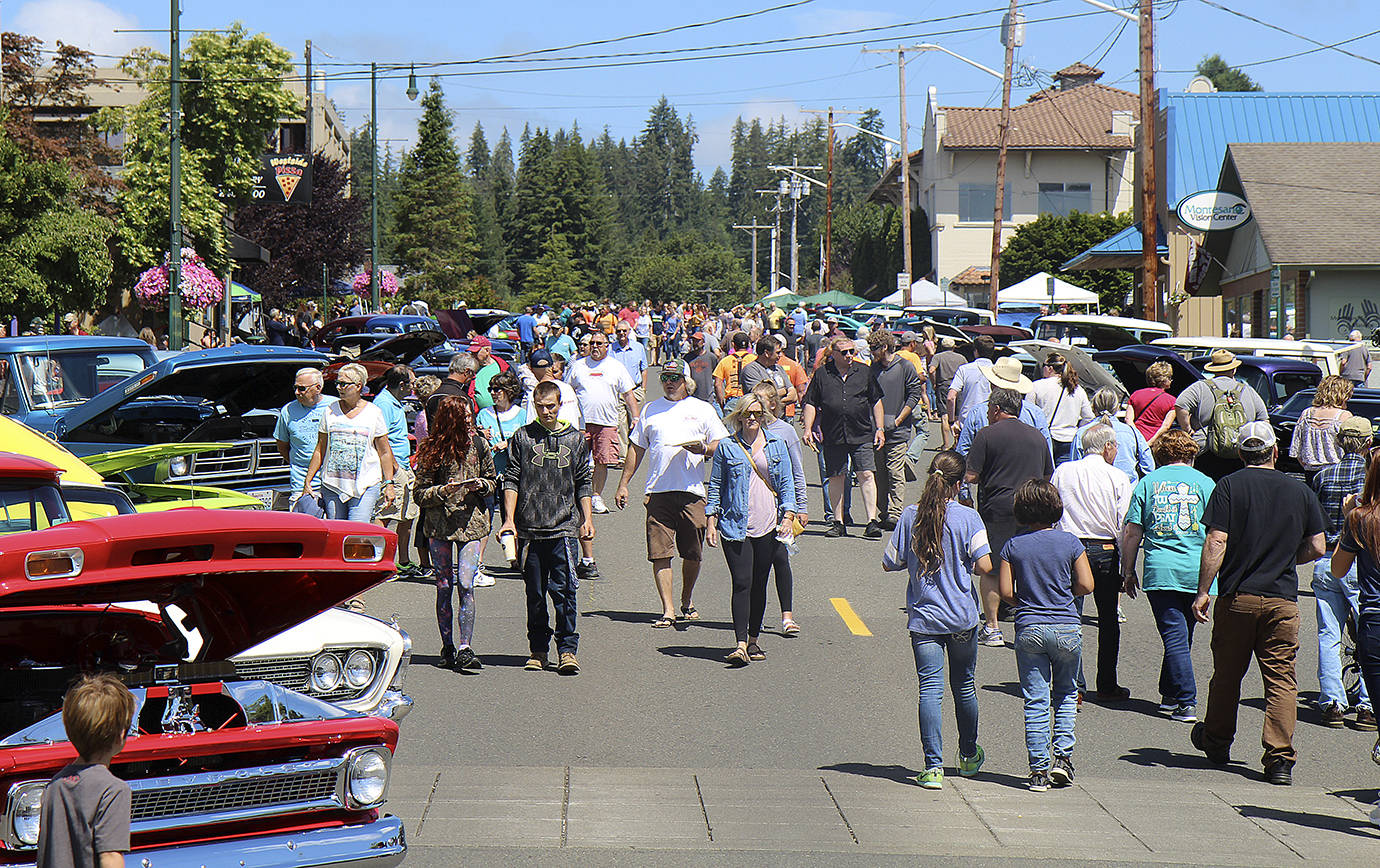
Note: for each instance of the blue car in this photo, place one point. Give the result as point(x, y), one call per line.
point(397, 324)
point(43, 377)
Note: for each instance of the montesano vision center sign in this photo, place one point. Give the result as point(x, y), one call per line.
point(1213, 210)
point(282, 179)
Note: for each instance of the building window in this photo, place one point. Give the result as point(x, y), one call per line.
point(977, 201)
point(1060, 199)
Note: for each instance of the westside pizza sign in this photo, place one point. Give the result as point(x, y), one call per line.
point(283, 179)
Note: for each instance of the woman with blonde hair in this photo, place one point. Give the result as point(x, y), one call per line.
point(352, 452)
point(1064, 403)
point(1152, 408)
point(1314, 443)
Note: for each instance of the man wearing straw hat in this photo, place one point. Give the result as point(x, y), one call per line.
point(1213, 411)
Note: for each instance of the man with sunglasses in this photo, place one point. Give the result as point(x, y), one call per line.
point(601, 383)
point(848, 404)
point(676, 433)
point(295, 434)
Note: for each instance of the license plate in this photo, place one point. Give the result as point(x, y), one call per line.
point(265, 495)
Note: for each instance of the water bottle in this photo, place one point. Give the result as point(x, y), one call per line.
point(787, 539)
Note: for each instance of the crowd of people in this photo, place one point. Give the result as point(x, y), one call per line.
point(1038, 496)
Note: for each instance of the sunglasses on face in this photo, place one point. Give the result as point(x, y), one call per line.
point(756, 414)
point(495, 390)
point(348, 383)
point(846, 352)
point(300, 389)
point(598, 343)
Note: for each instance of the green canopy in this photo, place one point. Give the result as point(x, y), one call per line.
point(783, 299)
point(240, 292)
point(835, 297)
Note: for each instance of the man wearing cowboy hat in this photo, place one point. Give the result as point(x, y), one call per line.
point(1195, 406)
point(1005, 373)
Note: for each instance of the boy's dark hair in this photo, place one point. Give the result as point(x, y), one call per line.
point(96, 714)
point(1038, 504)
point(546, 389)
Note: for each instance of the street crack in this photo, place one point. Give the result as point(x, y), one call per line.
point(1262, 827)
point(704, 812)
point(427, 807)
point(837, 807)
point(565, 807)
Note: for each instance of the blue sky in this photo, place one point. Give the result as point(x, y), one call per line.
point(717, 91)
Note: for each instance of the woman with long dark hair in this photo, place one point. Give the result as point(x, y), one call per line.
point(1064, 403)
point(1360, 544)
point(455, 475)
point(941, 542)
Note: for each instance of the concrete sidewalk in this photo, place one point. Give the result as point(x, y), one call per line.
point(871, 810)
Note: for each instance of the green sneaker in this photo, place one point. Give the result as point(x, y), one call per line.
point(931, 780)
point(969, 765)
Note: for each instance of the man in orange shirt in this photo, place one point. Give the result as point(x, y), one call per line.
point(910, 346)
point(794, 372)
point(606, 321)
point(728, 386)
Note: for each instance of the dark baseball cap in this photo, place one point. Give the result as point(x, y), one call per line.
point(539, 359)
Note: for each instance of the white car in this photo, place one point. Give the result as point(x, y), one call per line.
point(355, 661)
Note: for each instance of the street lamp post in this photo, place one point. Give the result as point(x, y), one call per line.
point(175, 339)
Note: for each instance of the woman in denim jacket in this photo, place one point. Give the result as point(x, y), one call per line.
point(751, 501)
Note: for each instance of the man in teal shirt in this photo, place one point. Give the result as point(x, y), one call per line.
point(489, 364)
point(402, 509)
point(296, 433)
point(558, 341)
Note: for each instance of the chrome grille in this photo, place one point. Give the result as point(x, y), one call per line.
point(243, 464)
point(294, 673)
point(234, 794)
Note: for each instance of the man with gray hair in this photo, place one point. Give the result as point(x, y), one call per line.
point(295, 434)
point(1096, 497)
point(1356, 360)
point(463, 367)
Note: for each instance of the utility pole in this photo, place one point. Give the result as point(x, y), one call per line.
point(829, 194)
point(754, 228)
point(1150, 255)
point(307, 90)
point(374, 187)
point(1008, 38)
point(795, 185)
point(175, 338)
point(775, 235)
point(905, 168)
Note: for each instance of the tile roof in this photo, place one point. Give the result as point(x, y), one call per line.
point(1079, 69)
point(973, 275)
point(1198, 126)
point(1312, 202)
point(1080, 118)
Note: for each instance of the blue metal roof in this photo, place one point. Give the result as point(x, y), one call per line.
point(1199, 126)
point(1127, 242)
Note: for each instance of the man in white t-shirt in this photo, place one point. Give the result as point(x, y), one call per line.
point(601, 383)
point(675, 433)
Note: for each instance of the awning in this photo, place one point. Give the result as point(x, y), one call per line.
point(1122, 250)
point(1035, 289)
point(240, 292)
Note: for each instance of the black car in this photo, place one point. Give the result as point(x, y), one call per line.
point(1364, 402)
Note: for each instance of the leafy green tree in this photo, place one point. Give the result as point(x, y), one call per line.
point(231, 101)
point(434, 229)
point(683, 267)
point(1051, 240)
point(54, 254)
point(477, 156)
point(1226, 78)
point(555, 276)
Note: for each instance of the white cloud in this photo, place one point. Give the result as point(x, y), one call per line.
point(87, 24)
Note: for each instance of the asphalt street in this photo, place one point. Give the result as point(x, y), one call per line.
point(660, 743)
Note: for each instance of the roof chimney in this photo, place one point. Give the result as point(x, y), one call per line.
point(1076, 75)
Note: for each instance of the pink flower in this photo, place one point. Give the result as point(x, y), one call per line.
point(388, 284)
point(199, 285)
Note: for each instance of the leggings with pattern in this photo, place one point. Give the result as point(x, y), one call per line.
point(457, 573)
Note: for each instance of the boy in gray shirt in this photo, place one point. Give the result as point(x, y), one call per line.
point(84, 815)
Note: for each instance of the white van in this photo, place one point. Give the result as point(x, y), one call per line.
point(954, 315)
point(1098, 332)
point(1325, 354)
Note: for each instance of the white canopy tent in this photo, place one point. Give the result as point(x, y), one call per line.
point(1035, 290)
point(926, 293)
point(776, 293)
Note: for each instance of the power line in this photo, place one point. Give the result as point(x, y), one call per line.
point(1306, 51)
point(1276, 27)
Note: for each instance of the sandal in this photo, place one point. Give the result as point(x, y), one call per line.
point(738, 658)
point(755, 652)
point(790, 628)
point(663, 622)
point(689, 613)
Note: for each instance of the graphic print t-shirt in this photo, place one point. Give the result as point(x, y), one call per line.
point(352, 463)
point(1168, 505)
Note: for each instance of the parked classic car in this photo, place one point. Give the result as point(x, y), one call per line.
point(229, 395)
point(41, 377)
point(224, 770)
point(1274, 379)
point(348, 658)
point(1364, 402)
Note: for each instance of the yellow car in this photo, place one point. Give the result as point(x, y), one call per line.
point(92, 487)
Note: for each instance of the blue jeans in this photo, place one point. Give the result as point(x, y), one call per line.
point(353, 508)
point(1334, 598)
point(548, 568)
point(1174, 618)
point(1047, 656)
point(930, 651)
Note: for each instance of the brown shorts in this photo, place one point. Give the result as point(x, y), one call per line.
point(675, 525)
point(603, 443)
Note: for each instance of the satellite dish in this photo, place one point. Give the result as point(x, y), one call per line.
point(1201, 84)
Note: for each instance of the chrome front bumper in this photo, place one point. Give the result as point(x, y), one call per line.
point(380, 844)
point(394, 706)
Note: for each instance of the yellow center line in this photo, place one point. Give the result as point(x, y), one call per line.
point(855, 624)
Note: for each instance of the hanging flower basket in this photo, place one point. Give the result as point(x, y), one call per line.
point(388, 284)
point(200, 286)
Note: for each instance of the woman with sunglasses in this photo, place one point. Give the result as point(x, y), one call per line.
point(751, 506)
point(497, 423)
point(352, 452)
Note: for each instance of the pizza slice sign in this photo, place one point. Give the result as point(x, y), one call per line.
point(288, 171)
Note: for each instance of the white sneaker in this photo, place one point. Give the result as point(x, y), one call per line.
point(483, 579)
point(990, 636)
point(596, 503)
point(1120, 616)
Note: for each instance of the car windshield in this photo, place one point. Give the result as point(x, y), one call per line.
point(1096, 336)
point(68, 378)
point(1289, 383)
point(26, 506)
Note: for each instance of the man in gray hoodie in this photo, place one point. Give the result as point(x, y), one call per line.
point(901, 390)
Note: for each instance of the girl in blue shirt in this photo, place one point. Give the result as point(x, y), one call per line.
point(940, 543)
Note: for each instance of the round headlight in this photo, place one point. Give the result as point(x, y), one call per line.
point(325, 673)
point(359, 669)
point(178, 466)
point(368, 778)
point(25, 801)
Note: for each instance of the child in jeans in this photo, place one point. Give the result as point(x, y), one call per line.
point(84, 815)
point(1042, 571)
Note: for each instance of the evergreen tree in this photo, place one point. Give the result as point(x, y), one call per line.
point(664, 170)
point(1226, 78)
point(477, 157)
point(435, 237)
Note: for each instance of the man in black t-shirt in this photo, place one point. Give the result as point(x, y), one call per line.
point(1004, 456)
point(1261, 524)
point(848, 403)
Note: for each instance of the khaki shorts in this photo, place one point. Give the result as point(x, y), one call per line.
point(404, 505)
point(675, 526)
point(603, 443)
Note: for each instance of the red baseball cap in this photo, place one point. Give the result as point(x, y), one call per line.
point(480, 341)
